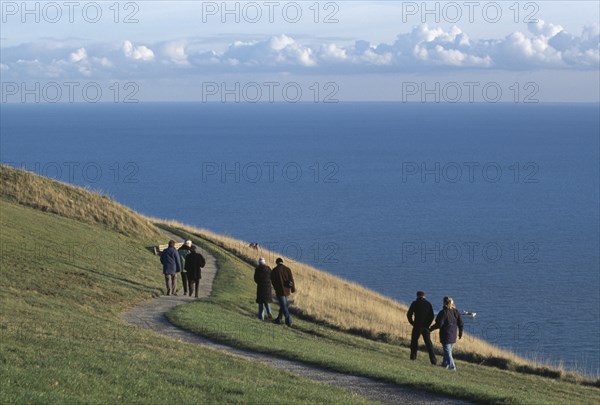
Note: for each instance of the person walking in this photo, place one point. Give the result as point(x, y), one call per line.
point(448, 321)
point(185, 250)
point(171, 262)
point(283, 283)
point(420, 316)
point(194, 262)
point(264, 292)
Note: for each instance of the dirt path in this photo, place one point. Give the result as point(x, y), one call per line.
point(152, 315)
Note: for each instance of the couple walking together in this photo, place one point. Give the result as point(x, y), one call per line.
point(185, 261)
point(282, 280)
point(448, 321)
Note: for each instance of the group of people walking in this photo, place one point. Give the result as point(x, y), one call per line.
point(185, 261)
point(189, 263)
point(282, 281)
point(448, 321)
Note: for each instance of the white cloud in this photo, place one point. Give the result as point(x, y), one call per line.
point(451, 57)
point(433, 46)
point(175, 52)
point(78, 56)
point(527, 51)
point(280, 50)
point(582, 51)
point(281, 42)
point(141, 52)
point(545, 29)
point(375, 58)
point(542, 46)
point(305, 57)
point(333, 53)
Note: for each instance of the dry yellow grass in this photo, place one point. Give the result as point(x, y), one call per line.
point(26, 188)
point(347, 305)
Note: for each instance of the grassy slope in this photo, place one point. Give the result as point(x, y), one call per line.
point(25, 188)
point(229, 315)
point(62, 340)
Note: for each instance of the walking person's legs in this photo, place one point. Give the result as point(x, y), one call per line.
point(283, 311)
point(451, 364)
point(448, 359)
point(286, 312)
point(261, 315)
point(168, 283)
point(280, 314)
point(427, 338)
point(174, 284)
point(269, 313)
point(196, 284)
point(184, 280)
point(445, 356)
point(414, 342)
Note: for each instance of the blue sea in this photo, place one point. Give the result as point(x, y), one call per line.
point(494, 205)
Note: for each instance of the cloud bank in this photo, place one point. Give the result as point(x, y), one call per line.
point(425, 48)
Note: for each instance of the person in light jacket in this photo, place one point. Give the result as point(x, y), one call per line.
point(283, 283)
point(449, 322)
point(171, 262)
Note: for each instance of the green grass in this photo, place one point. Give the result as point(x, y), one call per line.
point(62, 339)
point(229, 316)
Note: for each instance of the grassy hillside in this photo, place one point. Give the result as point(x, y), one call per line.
point(70, 270)
point(65, 282)
point(229, 315)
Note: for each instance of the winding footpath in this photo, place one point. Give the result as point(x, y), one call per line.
point(152, 315)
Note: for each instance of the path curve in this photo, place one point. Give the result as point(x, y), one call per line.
point(152, 315)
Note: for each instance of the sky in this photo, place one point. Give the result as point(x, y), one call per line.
point(328, 51)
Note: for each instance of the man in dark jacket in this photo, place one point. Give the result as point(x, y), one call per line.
point(283, 283)
point(185, 250)
point(193, 264)
point(171, 262)
point(448, 321)
point(264, 294)
point(420, 316)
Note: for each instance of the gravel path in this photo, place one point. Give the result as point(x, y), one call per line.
point(152, 315)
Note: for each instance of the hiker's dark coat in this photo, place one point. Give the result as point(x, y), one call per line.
point(193, 264)
point(420, 313)
point(448, 321)
point(171, 261)
point(183, 252)
point(262, 278)
point(279, 278)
